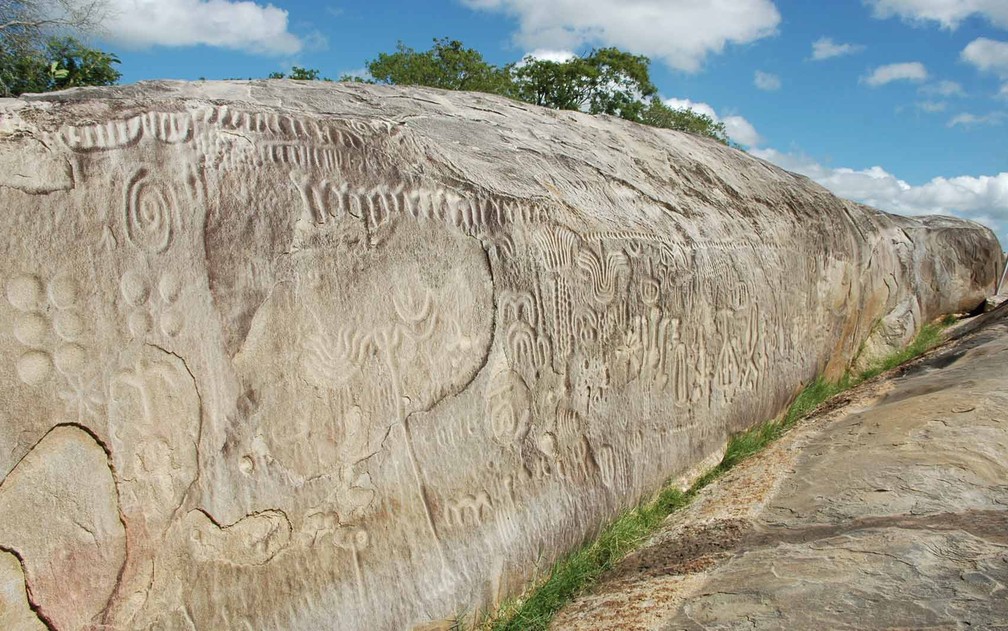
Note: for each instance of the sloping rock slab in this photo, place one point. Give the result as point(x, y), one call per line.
point(364, 357)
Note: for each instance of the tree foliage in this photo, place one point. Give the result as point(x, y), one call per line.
point(297, 73)
point(24, 24)
point(33, 60)
point(62, 62)
point(447, 65)
point(657, 114)
point(606, 81)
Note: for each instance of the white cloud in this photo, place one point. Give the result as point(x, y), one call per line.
point(981, 198)
point(546, 54)
point(972, 120)
point(766, 81)
point(948, 13)
point(315, 40)
point(238, 25)
point(1003, 93)
point(932, 107)
point(909, 71)
point(826, 48)
point(686, 104)
point(738, 128)
point(741, 131)
point(679, 32)
point(943, 88)
point(988, 55)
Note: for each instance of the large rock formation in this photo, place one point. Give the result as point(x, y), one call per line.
point(301, 356)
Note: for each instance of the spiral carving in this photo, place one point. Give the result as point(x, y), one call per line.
point(150, 213)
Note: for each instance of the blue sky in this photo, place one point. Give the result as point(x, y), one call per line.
point(902, 104)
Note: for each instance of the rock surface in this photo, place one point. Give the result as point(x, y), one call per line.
point(889, 511)
point(304, 356)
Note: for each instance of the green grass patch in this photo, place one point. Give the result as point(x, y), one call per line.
point(580, 569)
point(929, 337)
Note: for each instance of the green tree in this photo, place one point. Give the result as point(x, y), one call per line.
point(354, 78)
point(62, 62)
point(606, 81)
point(25, 24)
point(32, 60)
point(79, 65)
point(447, 65)
point(304, 74)
point(657, 114)
point(298, 73)
point(559, 85)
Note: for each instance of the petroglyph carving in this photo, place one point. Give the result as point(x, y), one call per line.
point(518, 305)
point(168, 127)
point(152, 305)
point(150, 212)
point(528, 350)
point(508, 407)
point(48, 327)
point(609, 465)
point(557, 246)
point(111, 135)
point(469, 510)
point(319, 343)
point(650, 291)
point(605, 274)
point(156, 459)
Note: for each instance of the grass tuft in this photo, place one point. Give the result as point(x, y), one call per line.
point(929, 337)
point(580, 569)
point(570, 576)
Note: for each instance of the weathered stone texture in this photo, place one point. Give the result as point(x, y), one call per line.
point(282, 355)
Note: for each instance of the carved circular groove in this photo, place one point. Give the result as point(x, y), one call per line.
point(31, 329)
point(63, 291)
point(650, 291)
point(139, 323)
point(134, 289)
point(246, 465)
point(150, 215)
point(70, 359)
point(33, 367)
point(171, 323)
point(508, 407)
point(25, 293)
point(169, 288)
point(68, 325)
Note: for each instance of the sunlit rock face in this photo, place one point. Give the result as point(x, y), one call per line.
point(308, 356)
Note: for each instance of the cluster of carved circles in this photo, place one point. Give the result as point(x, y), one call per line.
point(48, 327)
point(152, 304)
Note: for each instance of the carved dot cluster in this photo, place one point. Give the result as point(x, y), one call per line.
point(48, 328)
point(152, 304)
